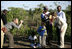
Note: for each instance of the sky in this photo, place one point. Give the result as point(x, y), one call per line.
point(32, 4)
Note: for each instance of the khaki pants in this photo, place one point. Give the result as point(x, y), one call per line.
point(42, 40)
point(2, 38)
point(62, 34)
point(10, 37)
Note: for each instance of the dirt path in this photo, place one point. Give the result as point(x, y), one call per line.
point(20, 42)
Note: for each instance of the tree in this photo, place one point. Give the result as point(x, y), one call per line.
point(40, 5)
point(31, 13)
point(68, 8)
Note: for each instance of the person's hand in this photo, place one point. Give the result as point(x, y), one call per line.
point(61, 30)
point(21, 21)
point(54, 17)
point(4, 29)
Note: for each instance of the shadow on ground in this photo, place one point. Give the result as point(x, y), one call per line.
point(22, 42)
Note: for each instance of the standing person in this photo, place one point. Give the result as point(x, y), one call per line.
point(4, 19)
point(61, 14)
point(7, 32)
point(45, 18)
point(3, 16)
point(44, 15)
point(2, 34)
point(61, 26)
point(49, 24)
point(42, 35)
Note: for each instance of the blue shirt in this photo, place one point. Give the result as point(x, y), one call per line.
point(41, 30)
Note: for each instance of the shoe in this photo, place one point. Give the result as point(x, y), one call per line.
point(34, 46)
point(39, 46)
point(61, 46)
point(45, 45)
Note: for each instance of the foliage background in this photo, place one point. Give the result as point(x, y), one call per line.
point(32, 21)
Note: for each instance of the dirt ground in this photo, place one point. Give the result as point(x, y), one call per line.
point(21, 42)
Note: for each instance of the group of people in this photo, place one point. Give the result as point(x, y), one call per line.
point(59, 20)
point(7, 27)
point(48, 19)
point(45, 30)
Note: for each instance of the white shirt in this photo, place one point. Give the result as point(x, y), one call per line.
point(62, 15)
point(61, 22)
point(32, 38)
point(46, 14)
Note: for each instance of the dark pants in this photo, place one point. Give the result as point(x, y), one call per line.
point(10, 37)
point(5, 37)
point(58, 35)
point(49, 31)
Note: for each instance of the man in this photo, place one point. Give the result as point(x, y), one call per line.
point(4, 19)
point(3, 16)
point(60, 13)
point(61, 29)
point(45, 14)
point(45, 18)
point(7, 32)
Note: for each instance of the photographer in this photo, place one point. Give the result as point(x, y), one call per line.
point(6, 29)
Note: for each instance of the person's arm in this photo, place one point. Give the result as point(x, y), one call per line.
point(13, 24)
point(55, 23)
point(42, 15)
point(64, 17)
point(63, 22)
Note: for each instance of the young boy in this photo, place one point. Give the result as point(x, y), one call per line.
point(42, 32)
point(33, 38)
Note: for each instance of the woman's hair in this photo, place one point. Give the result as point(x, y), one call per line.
point(14, 19)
